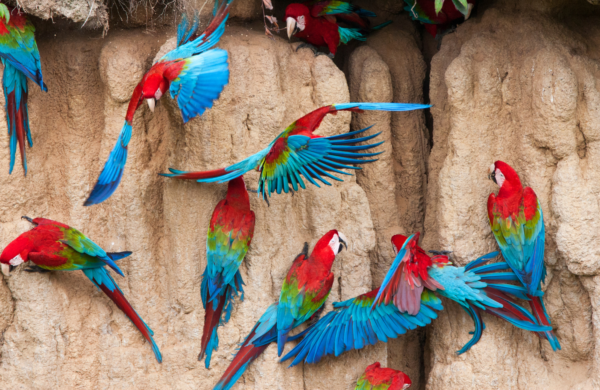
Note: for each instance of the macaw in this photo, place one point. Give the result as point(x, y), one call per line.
point(303, 293)
point(229, 235)
point(21, 60)
point(377, 378)
point(517, 221)
point(194, 76)
point(298, 151)
point(375, 316)
point(317, 22)
point(435, 21)
point(54, 246)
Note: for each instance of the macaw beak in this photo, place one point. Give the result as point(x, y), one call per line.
point(492, 173)
point(6, 268)
point(27, 219)
point(151, 103)
point(343, 241)
point(291, 27)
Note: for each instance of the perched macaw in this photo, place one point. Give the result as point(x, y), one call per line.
point(374, 316)
point(194, 77)
point(377, 378)
point(436, 22)
point(229, 236)
point(517, 222)
point(304, 291)
point(21, 60)
point(318, 23)
point(298, 151)
point(53, 246)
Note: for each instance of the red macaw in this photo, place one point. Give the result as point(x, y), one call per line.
point(298, 151)
point(229, 236)
point(21, 60)
point(194, 76)
point(377, 315)
point(517, 221)
point(377, 378)
point(54, 246)
point(303, 293)
point(436, 22)
point(317, 22)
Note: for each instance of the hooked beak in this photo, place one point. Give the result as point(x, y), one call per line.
point(343, 241)
point(6, 268)
point(492, 173)
point(151, 103)
point(27, 219)
point(291, 27)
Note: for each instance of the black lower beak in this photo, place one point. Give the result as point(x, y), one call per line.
point(342, 245)
point(493, 177)
point(27, 218)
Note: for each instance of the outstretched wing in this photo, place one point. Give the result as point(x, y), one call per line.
point(18, 46)
point(521, 238)
point(353, 325)
point(189, 44)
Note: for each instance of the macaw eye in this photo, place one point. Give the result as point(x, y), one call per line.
point(301, 23)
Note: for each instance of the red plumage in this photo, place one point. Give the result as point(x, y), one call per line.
point(395, 379)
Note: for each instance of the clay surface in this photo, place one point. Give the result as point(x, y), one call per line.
point(517, 82)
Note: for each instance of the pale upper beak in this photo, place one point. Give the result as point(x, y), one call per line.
point(291, 26)
point(151, 103)
point(6, 269)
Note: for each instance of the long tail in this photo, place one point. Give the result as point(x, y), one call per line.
point(216, 299)
point(382, 25)
point(261, 336)
point(380, 106)
point(113, 169)
point(14, 84)
point(102, 279)
point(539, 311)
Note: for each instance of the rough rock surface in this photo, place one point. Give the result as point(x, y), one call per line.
point(517, 82)
point(517, 85)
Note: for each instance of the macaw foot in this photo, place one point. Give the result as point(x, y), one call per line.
point(440, 253)
point(315, 51)
point(35, 268)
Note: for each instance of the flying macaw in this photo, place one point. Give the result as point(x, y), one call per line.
point(517, 222)
point(229, 236)
point(305, 289)
point(374, 316)
point(437, 21)
point(317, 22)
point(377, 378)
point(298, 151)
point(54, 246)
point(194, 77)
point(21, 60)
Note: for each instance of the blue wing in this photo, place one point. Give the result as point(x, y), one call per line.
point(353, 325)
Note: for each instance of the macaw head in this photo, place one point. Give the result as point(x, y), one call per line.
point(331, 243)
point(506, 177)
point(15, 253)
point(237, 194)
point(154, 87)
point(400, 381)
point(378, 376)
point(296, 16)
point(398, 241)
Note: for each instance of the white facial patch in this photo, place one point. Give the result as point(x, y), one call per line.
point(17, 260)
point(334, 244)
point(499, 177)
point(301, 23)
point(158, 94)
